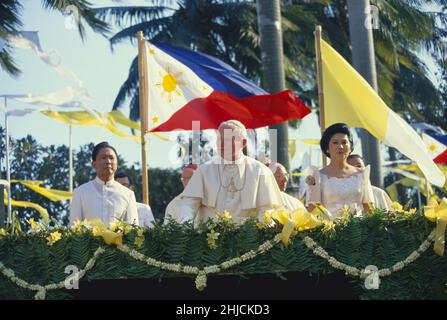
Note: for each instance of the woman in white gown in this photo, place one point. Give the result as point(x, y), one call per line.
point(339, 185)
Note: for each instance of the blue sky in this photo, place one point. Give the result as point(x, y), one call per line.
point(102, 72)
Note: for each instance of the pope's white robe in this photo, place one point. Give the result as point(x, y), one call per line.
point(381, 199)
point(245, 188)
point(291, 203)
point(173, 209)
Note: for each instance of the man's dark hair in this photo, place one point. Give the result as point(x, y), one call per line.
point(100, 146)
point(331, 131)
point(124, 175)
point(355, 156)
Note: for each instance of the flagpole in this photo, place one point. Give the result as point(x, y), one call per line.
point(144, 113)
point(427, 189)
point(70, 159)
point(419, 196)
point(318, 61)
point(8, 169)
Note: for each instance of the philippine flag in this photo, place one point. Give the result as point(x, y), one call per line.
point(186, 86)
point(437, 147)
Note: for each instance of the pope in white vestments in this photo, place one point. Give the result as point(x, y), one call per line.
point(230, 182)
point(103, 198)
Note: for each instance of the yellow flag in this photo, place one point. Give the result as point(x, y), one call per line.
point(26, 204)
point(110, 121)
point(350, 99)
point(292, 148)
point(311, 141)
point(52, 194)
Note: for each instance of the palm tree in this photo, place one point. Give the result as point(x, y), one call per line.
point(364, 61)
point(269, 11)
point(10, 23)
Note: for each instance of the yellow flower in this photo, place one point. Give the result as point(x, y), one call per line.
point(79, 225)
point(97, 231)
point(226, 216)
point(3, 233)
point(34, 225)
point(411, 211)
point(396, 206)
point(119, 226)
point(266, 221)
point(345, 211)
point(211, 239)
point(113, 226)
point(54, 237)
point(139, 241)
point(328, 226)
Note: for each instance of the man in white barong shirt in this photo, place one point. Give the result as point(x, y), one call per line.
point(282, 177)
point(103, 198)
point(381, 198)
point(230, 182)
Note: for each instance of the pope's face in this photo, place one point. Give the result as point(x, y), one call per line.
point(229, 143)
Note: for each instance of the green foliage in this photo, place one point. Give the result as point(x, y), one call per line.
point(380, 239)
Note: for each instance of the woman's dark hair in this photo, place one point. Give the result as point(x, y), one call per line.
point(100, 146)
point(330, 131)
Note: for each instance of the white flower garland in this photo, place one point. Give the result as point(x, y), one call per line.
point(363, 274)
point(201, 278)
point(41, 290)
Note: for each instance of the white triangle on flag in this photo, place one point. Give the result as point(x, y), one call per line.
point(171, 85)
point(434, 147)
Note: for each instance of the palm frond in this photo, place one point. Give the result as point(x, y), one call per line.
point(129, 15)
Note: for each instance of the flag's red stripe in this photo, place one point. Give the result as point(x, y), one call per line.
point(441, 158)
point(254, 111)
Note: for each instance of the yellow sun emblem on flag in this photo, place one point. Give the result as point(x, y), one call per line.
point(170, 83)
point(432, 147)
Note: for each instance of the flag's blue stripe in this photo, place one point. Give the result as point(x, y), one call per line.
point(219, 75)
point(441, 138)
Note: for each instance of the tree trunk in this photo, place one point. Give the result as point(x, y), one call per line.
point(269, 23)
point(401, 197)
point(363, 60)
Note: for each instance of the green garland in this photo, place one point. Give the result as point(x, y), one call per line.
point(380, 239)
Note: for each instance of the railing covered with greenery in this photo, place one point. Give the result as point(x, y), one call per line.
point(399, 244)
